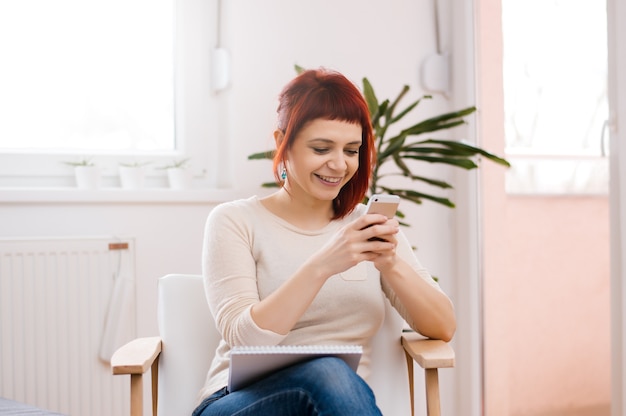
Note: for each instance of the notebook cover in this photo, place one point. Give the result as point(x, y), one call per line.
point(251, 363)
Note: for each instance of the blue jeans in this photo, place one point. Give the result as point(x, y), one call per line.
point(320, 387)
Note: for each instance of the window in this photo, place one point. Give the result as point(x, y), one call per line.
point(104, 79)
point(555, 91)
point(87, 74)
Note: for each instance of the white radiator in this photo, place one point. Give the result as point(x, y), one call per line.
point(65, 305)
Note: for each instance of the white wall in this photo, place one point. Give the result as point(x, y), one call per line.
point(385, 41)
point(617, 93)
point(168, 236)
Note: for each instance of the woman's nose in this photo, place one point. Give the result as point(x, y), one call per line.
point(337, 161)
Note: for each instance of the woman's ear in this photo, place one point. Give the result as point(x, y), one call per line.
point(278, 137)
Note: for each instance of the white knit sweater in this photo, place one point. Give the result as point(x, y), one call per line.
point(249, 252)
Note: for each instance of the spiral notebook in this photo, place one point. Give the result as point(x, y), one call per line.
point(251, 363)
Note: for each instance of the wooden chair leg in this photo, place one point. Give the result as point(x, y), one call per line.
point(433, 404)
point(409, 366)
point(155, 385)
point(136, 395)
point(431, 355)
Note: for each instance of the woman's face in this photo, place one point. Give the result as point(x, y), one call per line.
point(323, 158)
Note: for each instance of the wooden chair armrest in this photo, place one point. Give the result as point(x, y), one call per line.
point(136, 356)
point(428, 353)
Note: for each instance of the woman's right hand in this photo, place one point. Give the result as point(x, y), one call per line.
point(354, 243)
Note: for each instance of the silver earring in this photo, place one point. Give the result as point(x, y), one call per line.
point(283, 174)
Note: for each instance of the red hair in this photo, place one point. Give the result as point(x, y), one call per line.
point(324, 94)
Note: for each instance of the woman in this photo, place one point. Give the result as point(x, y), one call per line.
point(298, 266)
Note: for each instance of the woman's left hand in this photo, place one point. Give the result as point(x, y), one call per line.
point(386, 257)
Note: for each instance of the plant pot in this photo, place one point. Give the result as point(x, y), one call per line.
point(87, 177)
point(179, 178)
point(131, 177)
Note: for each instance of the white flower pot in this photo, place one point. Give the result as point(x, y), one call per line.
point(87, 177)
point(131, 177)
point(179, 178)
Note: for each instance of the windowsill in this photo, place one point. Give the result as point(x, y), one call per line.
point(557, 175)
point(116, 195)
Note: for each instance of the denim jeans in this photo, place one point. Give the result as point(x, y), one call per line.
point(320, 387)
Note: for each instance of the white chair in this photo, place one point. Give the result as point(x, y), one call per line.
point(180, 357)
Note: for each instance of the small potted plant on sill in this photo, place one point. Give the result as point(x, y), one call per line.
point(178, 174)
point(132, 174)
point(86, 172)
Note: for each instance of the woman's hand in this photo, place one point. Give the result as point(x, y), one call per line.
point(368, 238)
point(385, 257)
point(350, 245)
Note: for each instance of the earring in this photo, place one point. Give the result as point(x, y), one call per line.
point(283, 174)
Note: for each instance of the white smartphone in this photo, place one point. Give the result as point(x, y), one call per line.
point(383, 204)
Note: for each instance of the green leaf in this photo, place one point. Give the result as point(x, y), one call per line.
point(438, 150)
point(464, 147)
point(393, 146)
point(389, 113)
point(430, 127)
point(409, 109)
point(433, 182)
point(299, 69)
point(441, 122)
point(403, 166)
point(376, 119)
point(393, 106)
point(461, 163)
point(412, 195)
point(370, 97)
point(452, 115)
point(268, 154)
point(416, 197)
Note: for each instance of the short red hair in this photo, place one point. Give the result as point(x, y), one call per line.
point(324, 94)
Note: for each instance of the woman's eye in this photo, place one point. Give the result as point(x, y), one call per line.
point(325, 150)
point(320, 150)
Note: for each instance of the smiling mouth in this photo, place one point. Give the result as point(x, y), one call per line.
point(329, 179)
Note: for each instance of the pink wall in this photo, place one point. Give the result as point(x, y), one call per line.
point(555, 310)
point(546, 276)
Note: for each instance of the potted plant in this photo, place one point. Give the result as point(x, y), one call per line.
point(86, 172)
point(132, 174)
point(178, 174)
point(399, 153)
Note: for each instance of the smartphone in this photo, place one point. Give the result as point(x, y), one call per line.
point(383, 204)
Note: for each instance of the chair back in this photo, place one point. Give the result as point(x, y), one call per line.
point(189, 342)
point(190, 339)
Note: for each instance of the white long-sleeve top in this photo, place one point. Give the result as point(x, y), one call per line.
point(249, 252)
